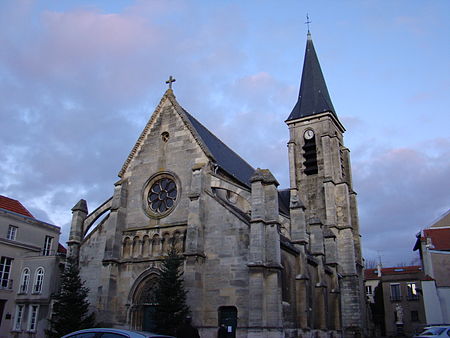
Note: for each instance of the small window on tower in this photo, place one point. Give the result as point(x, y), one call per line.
point(341, 156)
point(310, 153)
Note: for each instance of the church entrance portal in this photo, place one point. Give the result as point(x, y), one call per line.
point(144, 305)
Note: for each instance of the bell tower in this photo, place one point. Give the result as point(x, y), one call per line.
point(320, 177)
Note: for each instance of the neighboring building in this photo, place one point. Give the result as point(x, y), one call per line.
point(29, 270)
point(395, 293)
point(433, 244)
point(265, 262)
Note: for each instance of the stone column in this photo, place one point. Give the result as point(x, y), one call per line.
point(194, 248)
point(107, 303)
point(79, 214)
point(194, 234)
point(265, 306)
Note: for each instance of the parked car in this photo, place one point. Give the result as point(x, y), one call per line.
point(434, 331)
point(112, 333)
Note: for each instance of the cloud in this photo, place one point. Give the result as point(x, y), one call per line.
point(78, 84)
point(401, 190)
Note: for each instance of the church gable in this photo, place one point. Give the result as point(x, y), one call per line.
point(158, 173)
point(156, 133)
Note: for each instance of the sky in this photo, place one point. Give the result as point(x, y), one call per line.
point(80, 79)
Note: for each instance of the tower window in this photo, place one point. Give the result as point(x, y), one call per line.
point(310, 156)
point(341, 156)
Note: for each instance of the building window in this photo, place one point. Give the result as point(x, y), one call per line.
point(18, 317)
point(369, 290)
point(395, 292)
point(5, 271)
point(24, 281)
point(47, 246)
point(414, 316)
point(32, 317)
point(12, 232)
point(160, 195)
point(412, 291)
point(38, 280)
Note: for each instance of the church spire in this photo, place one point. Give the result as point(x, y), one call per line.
point(313, 97)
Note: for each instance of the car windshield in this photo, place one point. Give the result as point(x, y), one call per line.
point(432, 331)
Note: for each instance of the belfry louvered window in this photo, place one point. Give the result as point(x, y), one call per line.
point(310, 156)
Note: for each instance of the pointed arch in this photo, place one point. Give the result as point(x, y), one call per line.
point(142, 300)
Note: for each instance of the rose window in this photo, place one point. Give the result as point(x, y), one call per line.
point(162, 195)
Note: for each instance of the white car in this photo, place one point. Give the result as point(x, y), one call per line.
point(112, 333)
point(435, 331)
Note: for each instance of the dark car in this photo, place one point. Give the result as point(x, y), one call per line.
point(435, 331)
point(112, 333)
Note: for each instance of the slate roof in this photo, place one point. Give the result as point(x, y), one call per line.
point(225, 158)
point(61, 249)
point(313, 97)
point(284, 199)
point(14, 206)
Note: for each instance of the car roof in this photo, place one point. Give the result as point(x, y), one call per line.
point(129, 333)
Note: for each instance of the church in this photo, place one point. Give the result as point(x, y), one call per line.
point(264, 261)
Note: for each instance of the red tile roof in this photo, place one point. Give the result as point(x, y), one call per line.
point(61, 249)
point(440, 238)
point(14, 206)
point(400, 270)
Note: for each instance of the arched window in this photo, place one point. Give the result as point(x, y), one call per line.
point(38, 280)
point(24, 281)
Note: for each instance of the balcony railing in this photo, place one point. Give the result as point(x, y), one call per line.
point(396, 298)
point(45, 252)
point(6, 284)
point(412, 297)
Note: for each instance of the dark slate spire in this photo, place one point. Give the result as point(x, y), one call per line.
point(313, 97)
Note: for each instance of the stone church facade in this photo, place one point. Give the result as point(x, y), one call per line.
point(264, 261)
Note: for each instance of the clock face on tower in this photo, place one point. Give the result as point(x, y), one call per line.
point(309, 134)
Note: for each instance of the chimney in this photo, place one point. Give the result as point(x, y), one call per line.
point(379, 270)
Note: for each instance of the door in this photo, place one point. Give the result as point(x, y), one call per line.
point(228, 317)
point(148, 320)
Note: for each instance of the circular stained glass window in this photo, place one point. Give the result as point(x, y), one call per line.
point(162, 195)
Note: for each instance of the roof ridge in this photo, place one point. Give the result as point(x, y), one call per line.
point(15, 206)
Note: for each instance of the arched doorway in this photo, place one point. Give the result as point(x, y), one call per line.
point(144, 304)
point(228, 317)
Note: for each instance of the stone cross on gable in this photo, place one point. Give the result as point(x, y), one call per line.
point(170, 81)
